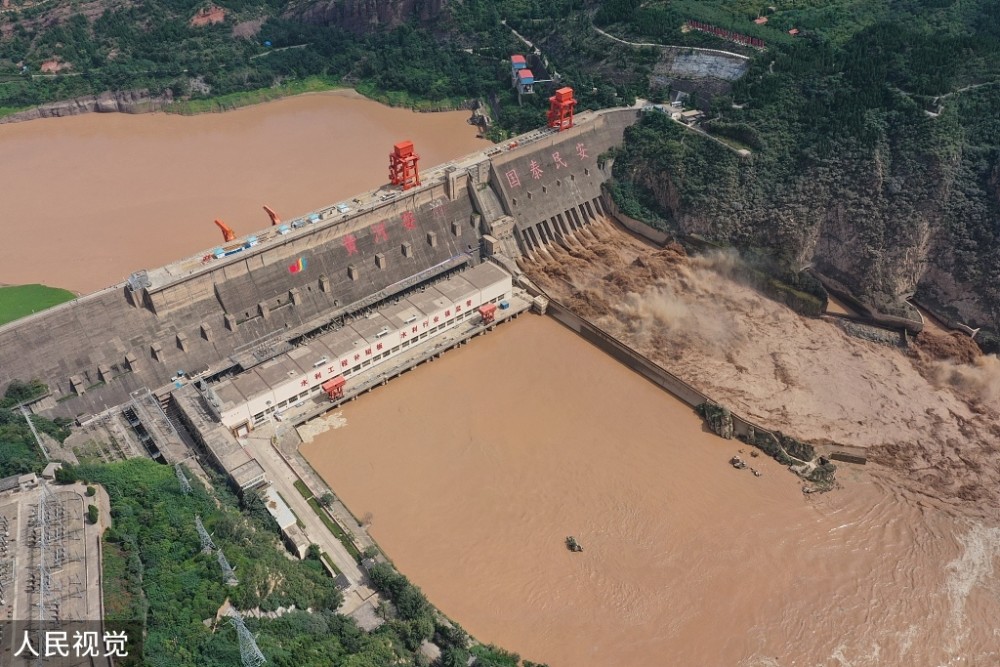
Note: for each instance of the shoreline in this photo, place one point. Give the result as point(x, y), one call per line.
point(139, 102)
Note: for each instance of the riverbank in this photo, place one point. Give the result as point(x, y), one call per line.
point(139, 102)
point(232, 101)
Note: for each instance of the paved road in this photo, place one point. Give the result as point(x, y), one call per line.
point(672, 47)
point(283, 479)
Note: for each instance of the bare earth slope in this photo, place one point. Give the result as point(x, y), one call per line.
point(935, 421)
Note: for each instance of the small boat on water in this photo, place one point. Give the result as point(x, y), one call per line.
point(573, 545)
point(737, 463)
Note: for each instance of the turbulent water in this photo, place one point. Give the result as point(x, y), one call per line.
point(89, 199)
point(476, 467)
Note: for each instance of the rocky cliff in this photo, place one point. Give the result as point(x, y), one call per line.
point(911, 212)
point(121, 102)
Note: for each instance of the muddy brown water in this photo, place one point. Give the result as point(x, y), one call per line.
point(477, 466)
point(89, 199)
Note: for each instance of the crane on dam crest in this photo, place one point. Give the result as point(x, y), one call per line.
point(275, 220)
point(227, 233)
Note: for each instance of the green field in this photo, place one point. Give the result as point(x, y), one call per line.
point(20, 300)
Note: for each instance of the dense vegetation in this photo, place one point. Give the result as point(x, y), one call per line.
point(875, 150)
point(155, 571)
point(19, 452)
point(415, 621)
point(443, 61)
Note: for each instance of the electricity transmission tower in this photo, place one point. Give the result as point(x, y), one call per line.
point(208, 546)
point(182, 478)
point(227, 572)
point(249, 653)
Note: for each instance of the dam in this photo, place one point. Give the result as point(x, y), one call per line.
point(219, 358)
point(288, 322)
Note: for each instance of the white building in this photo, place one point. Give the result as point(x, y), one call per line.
point(250, 398)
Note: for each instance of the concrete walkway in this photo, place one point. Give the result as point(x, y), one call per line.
point(282, 477)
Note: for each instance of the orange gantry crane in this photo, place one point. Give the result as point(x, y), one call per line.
point(275, 220)
point(227, 234)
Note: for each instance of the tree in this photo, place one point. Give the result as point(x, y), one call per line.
point(93, 514)
point(326, 500)
point(19, 391)
point(454, 656)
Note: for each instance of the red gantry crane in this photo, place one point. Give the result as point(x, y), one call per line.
point(561, 107)
point(403, 165)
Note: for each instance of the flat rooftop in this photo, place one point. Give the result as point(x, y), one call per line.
point(357, 332)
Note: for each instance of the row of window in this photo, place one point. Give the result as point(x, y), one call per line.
point(260, 417)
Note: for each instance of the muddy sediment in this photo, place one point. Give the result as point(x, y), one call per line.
point(926, 413)
point(475, 468)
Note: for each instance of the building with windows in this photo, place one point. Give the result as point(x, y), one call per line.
point(327, 362)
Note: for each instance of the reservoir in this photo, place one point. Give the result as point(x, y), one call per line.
point(475, 468)
point(89, 199)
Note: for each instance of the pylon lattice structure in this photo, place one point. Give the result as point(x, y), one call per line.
point(44, 580)
point(250, 654)
point(182, 478)
point(561, 106)
point(403, 165)
point(207, 545)
point(227, 571)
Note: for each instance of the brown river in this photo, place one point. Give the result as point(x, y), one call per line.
point(89, 199)
point(477, 466)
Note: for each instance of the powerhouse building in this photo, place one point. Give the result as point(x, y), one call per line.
point(327, 362)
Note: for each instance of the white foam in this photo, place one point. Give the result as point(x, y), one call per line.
point(972, 569)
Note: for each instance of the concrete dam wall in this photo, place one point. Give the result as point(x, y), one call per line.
point(205, 316)
point(553, 186)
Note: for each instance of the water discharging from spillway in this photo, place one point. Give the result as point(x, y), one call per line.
point(477, 466)
point(89, 199)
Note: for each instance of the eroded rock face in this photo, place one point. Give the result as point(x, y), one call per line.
point(885, 232)
point(109, 102)
point(363, 15)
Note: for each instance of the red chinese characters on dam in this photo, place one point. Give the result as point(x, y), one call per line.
point(380, 231)
point(535, 169)
point(351, 244)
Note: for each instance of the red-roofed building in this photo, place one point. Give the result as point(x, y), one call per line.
point(525, 82)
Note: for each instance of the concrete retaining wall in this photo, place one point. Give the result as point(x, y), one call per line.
point(626, 355)
point(643, 365)
point(869, 315)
